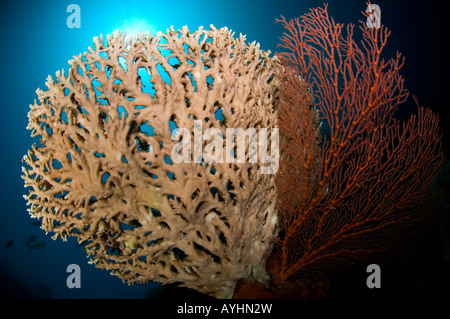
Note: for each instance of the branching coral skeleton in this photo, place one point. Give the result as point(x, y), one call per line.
point(104, 173)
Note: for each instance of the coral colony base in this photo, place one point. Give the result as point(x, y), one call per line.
point(109, 169)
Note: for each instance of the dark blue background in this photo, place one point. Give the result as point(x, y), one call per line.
point(36, 42)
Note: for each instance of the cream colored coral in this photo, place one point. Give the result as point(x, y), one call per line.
point(101, 176)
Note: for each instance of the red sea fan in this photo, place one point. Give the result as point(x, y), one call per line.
point(351, 194)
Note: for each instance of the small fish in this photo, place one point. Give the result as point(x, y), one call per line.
point(31, 239)
point(82, 245)
point(35, 223)
point(38, 245)
point(9, 244)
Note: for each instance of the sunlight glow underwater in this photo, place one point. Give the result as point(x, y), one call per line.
point(132, 27)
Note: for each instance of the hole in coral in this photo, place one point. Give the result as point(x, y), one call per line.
point(149, 174)
point(193, 83)
point(102, 117)
point(230, 188)
point(171, 175)
point(200, 248)
point(104, 55)
point(138, 107)
point(61, 195)
point(96, 85)
point(80, 70)
point(147, 129)
point(92, 200)
point(80, 108)
point(210, 82)
point(186, 48)
point(75, 144)
point(64, 118)
point(167, 159)
point(112, 251)
point(172, 125)
point(223, 239)
point(164, 225)
point(108, 70)
point(218, 115)
point(143, 146)
point(143, 259)
point(105, 177)
point(195, 193)
point(56, 164)
point(155, 212)
point(133, 224)
point(174, 62)
point(147, 86)
point(123, 63)
point(173, 269)
point(155, 242)
point(163, 73)
point(179, 254)
point(122, 112)
point(214, 191)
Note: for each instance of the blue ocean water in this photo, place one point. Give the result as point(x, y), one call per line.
point(36, 42)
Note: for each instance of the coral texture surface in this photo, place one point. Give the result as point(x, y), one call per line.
point(102, 170)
